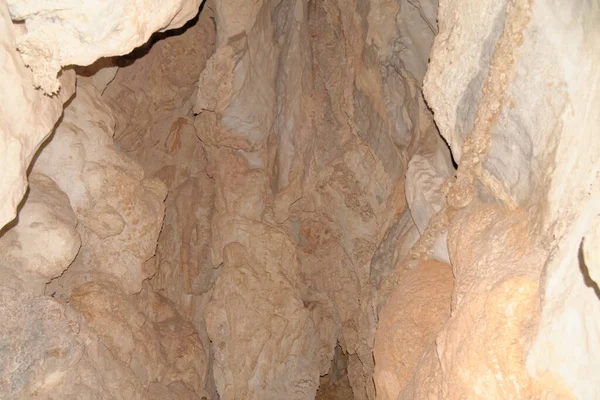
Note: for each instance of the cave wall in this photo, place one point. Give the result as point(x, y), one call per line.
point(310, 153)
point(525, 168)
point(233, 177)
point(215, 212)
point(72, 262)
point(43, 38)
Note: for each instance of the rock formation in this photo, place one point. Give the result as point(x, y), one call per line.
point(409, 323)
point(295, 199)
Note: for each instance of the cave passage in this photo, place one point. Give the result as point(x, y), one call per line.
point(291, 199)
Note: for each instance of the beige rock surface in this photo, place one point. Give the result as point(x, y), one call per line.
point(74, 331)
point(428, 175)
point(525, 161)
point(65, 33)
point(307, 190)
point(264, 340)
point(44, 240)
point(155, 345)
point(40, 343)
point(409, 323)
point(50, 35)
point(314, 150)
point(27, 117)
point(38, 336)
point(121, 211)
point(87, 337)
point(95, 343)
point(497, 264)
point(154, 125)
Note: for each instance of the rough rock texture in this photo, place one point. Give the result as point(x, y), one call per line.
point(25, 121)
point(310, 127)
point(155, 347)
point(298, 173)
point(49, 36)
point(150, 97)
point(37, 334)
point(45, 238)
point(307, 190)
point(496, 264)
point(71, 327)
point(282, 351)
point(427, 177)
point(409, 323)
point(521, 301)
point(39, 340)
point(121, 212)
point(65, 33)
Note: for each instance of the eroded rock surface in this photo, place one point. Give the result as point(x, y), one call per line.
point(74, 257)
point(27, 116)
point(120, 211)
point(302, 169)
point(152, 93)
point(63, 33)
point(38, 335)
point(523, 162)
point(409, 323)
point(259, 202)
point(302, 145)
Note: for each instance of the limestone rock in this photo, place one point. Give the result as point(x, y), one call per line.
point(152, 107)
point(64, 33)
point(264, 339)
point(154, 126)
point(416, 23)
point(393, 248)
point(428, 173)
point(314, 150)
point(453, 93)
point(425, 382)
point(157, 347)
point(27, 116)
point(497, 263)
point(409, 323)
point(306, 184)
point(541, 161)
point(111, 350)
point(44, 240)
point(40, 343)
point(38, 334)
point(120, 211)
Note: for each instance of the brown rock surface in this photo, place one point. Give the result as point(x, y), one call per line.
point(63, 33)
point(146, 95)
point(537, 164)
point(264, 340)
point(497, 265)
point(317, 151)
point(120, 211)
point(409, 323)
point(257, 204)
point(45, 240)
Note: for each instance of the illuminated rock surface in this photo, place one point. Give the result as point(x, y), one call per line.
point(259, 202)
